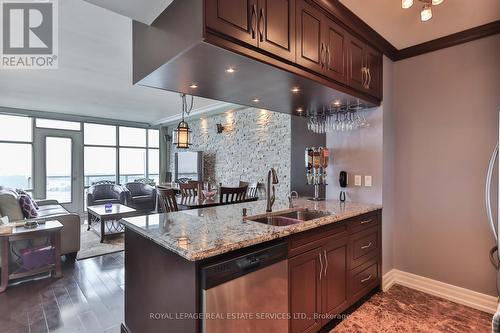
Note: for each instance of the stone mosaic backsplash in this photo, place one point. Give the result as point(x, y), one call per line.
point(252, 142)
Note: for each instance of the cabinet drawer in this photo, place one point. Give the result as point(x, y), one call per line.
point(308, 240)
point(364, 245)
point(363, 222)
point(364, 279)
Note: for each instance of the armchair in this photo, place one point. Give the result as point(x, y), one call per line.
point(100, 194)
point(140, 196)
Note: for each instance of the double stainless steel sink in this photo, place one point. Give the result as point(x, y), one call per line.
point(290, 218)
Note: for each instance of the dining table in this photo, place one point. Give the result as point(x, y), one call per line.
point(195, 202)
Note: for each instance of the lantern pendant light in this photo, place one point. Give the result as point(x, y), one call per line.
point(182, 135)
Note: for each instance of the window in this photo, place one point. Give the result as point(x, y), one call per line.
point(153, 138)
point(16, 151)
point(99, 135)
point(16, 172)
point(100, 164)
point(132, 137)
point(15, 128)
point(58, 124)
point(154, 164)
point(132, 164)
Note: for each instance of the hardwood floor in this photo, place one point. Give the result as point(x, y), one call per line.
point(88, 298)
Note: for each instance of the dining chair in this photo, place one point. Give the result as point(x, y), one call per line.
point(167, 202)
point(232, 194)
point(252, 189)
point(189, 189)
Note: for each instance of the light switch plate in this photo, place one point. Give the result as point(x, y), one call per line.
point(368, 181)
point(357, 180)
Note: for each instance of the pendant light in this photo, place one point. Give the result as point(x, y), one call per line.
point(182, 135)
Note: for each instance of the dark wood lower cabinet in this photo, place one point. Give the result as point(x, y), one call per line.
point(337, 267)
point(304, 273)
point(335, 297)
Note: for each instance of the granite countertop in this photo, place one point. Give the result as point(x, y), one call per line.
point(203, 233)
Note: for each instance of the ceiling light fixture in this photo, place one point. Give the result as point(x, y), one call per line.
point(406, 3)
point(426, 11)
point(193, 86)
point(336, 103)
point(230, 70)
point(182, 135)
point(295, 90)
point(300, 110)
point(256, 100)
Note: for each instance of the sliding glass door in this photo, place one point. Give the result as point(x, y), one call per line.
point(58, 167)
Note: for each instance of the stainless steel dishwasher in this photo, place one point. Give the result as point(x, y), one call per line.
point(247, 294)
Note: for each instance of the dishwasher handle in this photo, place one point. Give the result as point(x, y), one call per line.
point(252, 262)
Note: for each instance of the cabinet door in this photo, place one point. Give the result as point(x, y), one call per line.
point(310, 46)
point(356, 75)
point(233, 18)
point(335, 291)
point(335, 41)
point(304, 276)
point(276, 27)
point(374, 66)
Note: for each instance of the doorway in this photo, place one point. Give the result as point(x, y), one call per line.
point(58, 171)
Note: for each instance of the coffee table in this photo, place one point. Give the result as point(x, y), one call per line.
point(49, 228)
point(108, 219)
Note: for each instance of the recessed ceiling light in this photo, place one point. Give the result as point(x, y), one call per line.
point(300, 109)
point(256, 100)
point(336, 103)
point(295, 89)
point(230, 70)
point(193, 86)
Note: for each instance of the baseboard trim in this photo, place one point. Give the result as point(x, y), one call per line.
point(447, 291)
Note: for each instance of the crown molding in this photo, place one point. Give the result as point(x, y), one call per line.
point(461, 37)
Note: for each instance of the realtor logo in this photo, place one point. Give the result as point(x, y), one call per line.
point(29, 37)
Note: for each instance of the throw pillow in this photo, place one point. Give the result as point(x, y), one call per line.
point(19, 191)
point(26, 203)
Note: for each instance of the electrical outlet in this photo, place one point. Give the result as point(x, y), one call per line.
point(368, 181)
point(357, 180)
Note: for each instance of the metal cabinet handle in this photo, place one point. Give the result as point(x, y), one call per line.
point(321, 62)
point(369, 78)
point(366, 279)
point(253, 20)
point(261, 20)
point(363, 76)
point(366, 221)
point(321, 263)
point(326, 262)
point(366, 246)
point(328, 57)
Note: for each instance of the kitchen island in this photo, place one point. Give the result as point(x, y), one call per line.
point(332, 260)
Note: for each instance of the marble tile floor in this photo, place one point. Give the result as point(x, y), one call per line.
point(89, 298)
point(406, 310)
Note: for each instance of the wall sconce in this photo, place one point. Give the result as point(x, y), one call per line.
point(220, 128)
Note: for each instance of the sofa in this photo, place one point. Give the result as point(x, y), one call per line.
point(100, 194)
point(140, 196)
point(47, 210)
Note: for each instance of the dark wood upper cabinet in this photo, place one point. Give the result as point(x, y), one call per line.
point(305, 291)
point(310, 45)
point(334, 284)
point(335, 40)
point(276, 27)
point(356, 76)
point(374, 68)
point(233, 18)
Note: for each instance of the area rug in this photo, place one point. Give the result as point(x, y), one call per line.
point(91, 246)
